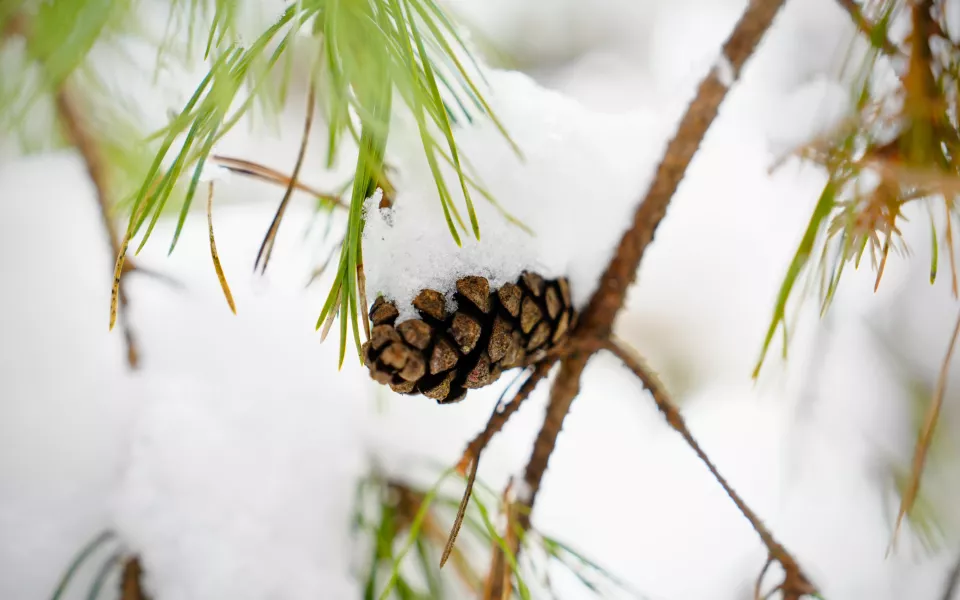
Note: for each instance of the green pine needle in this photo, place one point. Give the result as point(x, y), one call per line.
point(396, 517)
point(78, 560)
point(817, 222)
point(370, 49)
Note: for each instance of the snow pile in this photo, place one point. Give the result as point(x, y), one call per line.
point(225, 496)
point(580, 179)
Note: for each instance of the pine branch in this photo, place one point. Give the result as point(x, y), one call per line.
point(130, 581)
point(70, 117)
point(596, 324)
point(501, 414)
point(795, 583)
point(874, 32)
point(78, 133)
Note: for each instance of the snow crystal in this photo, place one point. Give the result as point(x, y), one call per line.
point(724, 70)
point(225, 497)
point(521, 489)
point(212, 172)
point(580, 179)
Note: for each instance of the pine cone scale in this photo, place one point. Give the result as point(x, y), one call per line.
point(442, 355)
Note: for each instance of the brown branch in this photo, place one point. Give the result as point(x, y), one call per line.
point(75, 130)
point(795, 582)
point(866, 27)
point(501, 414)
point(130, 581)
point(596, 323)
point(597, 320)
point(15, 26)
point(77, 133)
point(565, 389)
point(497, 585)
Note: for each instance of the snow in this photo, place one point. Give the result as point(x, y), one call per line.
point(724, 70)
point(228, 462)
point(572, 158)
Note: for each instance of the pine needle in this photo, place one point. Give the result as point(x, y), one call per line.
point(117, 274)
point(266, 247)
point(102, 573)
point(415, 526)
point(461, 511)
point(265, 173)
point(823, 209)
point(78, 561)
point(883, 264)
point(213, 253)
point(935, 250)
point(328, 322)
point(362, 290)
point(925, 438)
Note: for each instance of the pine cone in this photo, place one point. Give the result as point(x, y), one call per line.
point(442, 355)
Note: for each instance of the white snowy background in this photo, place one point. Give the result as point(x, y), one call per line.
point(229, 460)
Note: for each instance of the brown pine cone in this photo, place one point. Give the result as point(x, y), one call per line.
point(441, 355)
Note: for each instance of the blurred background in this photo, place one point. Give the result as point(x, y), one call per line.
point(229, 460)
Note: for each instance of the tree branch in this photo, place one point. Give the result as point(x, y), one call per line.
point(596, 323)
point(795, 582)
point(597, 320)
point(75, 130)
point(77, 133)
point(130, 585)
point(501, 414)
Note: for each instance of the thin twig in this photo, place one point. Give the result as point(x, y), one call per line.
point(501, 414)
point(925, 438)
point(597, 320)
point(16, 26)
point(795, 581)
point(758, 587)
point(69, 115)
point(246, 167)
point(497, 585)
point(471, 455)
point(596, 323)
point(564, 390)
point(461, 511)
point(266, 248)
point(855, 11)
point(130, 584)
